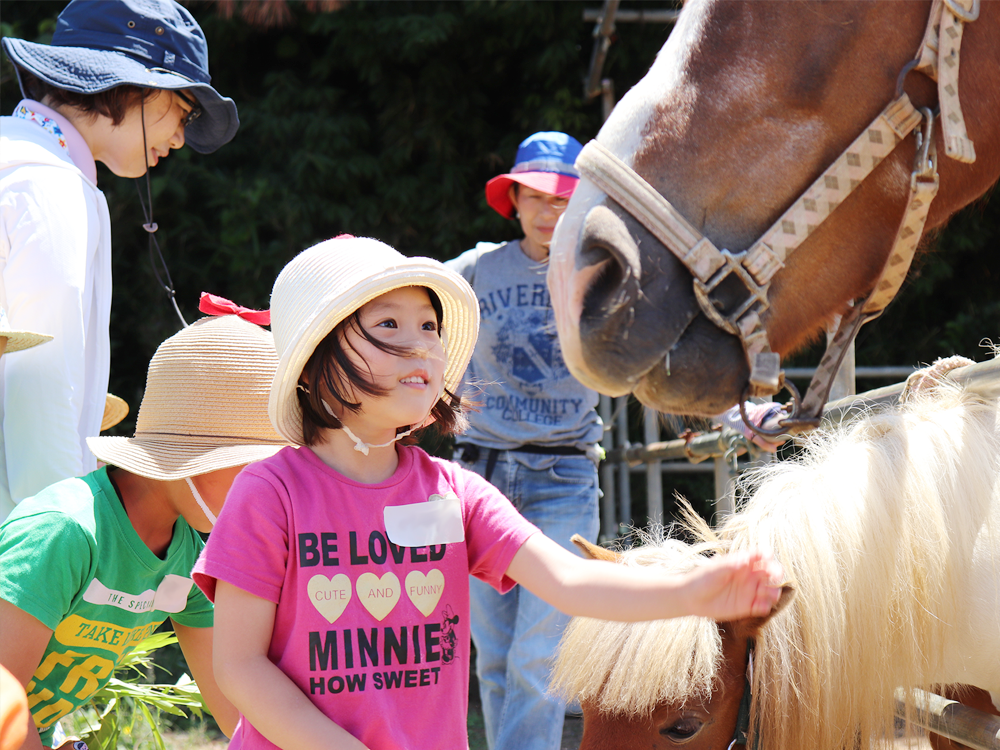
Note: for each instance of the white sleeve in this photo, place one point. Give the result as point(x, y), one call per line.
point(48, 254)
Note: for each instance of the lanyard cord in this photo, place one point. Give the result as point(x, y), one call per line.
point(151, 227)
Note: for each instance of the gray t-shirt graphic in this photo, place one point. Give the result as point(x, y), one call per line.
point(525, 392)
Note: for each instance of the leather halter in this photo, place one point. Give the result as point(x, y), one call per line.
point(756, 266)
point(741, 732)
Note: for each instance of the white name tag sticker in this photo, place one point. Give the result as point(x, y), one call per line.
point(437, 521)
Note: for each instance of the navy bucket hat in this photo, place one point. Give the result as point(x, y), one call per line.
point(544, 162)
point(101, 44)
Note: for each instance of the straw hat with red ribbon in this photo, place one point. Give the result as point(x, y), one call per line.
point(205, 404)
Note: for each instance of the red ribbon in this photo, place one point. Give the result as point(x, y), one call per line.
point(213, 304)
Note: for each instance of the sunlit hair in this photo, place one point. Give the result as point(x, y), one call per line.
point(631, 667)
point(331, 370)
point(113, 103)
point(875, 523)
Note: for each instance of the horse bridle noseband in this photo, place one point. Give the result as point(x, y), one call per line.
point(757, 266)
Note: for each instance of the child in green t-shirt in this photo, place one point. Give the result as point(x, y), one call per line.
point(92, 565)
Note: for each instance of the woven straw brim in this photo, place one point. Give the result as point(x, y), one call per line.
point(460, 323)
point(20, 340)
point(173, 458)
point(115, 410)
point(205, 405)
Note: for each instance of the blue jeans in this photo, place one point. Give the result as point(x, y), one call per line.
point(516, 633)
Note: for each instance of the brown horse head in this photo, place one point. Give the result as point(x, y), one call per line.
point(707, 723)
point(745, 106)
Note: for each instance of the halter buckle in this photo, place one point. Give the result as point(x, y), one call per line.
point(962, 14)
point(757, 298)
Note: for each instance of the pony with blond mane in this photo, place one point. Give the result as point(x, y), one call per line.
point(889, 529)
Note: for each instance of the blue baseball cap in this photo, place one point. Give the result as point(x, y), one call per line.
point(101, 44)
point(544, 162)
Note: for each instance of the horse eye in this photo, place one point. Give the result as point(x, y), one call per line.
point(683, 729)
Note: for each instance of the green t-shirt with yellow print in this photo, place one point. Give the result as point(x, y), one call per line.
point(70, 558)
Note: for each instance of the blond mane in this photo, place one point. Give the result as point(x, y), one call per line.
point(630, 667)
point(875, 523)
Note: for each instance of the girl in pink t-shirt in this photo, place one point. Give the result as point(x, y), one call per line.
point(339, 569)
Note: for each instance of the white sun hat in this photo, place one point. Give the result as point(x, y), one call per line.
point(323, 285)
point(18, 340)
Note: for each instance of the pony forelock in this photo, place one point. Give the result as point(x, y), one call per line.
point(631, 667)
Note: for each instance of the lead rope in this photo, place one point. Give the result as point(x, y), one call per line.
point(150, 226)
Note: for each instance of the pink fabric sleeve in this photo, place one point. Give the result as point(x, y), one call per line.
point(248, 546)
point(494, 530)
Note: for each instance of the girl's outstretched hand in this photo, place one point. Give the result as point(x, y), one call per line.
point(736, 586)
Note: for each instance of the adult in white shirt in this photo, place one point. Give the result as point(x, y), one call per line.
point(124, 82)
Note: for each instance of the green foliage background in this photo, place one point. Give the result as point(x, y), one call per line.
point(386, 119)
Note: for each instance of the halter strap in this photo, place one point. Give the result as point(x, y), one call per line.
point(756, 266)
point(741, 732)
point(939, 60)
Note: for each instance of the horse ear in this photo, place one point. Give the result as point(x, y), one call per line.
point(784, 599)
point(753, 625)
point(592, 551)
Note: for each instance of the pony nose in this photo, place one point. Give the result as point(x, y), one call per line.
point(607, 316)
point(606, 241)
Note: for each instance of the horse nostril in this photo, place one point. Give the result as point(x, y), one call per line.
point(606, 242)
point(592, 253)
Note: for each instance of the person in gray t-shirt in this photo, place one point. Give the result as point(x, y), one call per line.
point(534, 437)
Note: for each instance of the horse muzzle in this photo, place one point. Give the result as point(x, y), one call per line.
point(629, 334)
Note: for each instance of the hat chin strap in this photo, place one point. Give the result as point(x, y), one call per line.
point(201, 503)
point(362, 447)
point(151, 226)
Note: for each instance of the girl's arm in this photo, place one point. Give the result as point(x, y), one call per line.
point(725, 587)
point(196, 643)
point(264, 694)
point(23, 642)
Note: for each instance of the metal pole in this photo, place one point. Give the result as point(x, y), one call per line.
point(592, 15)
point(602, 42)
point(844, 382)
point(982, 377)
point(607, 97)
point(972, 728)
point(654, 476)
point(725, 488)
point(624, 477)
point(609, 527)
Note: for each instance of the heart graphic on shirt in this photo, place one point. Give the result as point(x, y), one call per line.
point(425, 591)
point(330, 595)
point(445, 496)
point(378, 595)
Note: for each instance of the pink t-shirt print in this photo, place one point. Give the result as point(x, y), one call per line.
point(376, 633)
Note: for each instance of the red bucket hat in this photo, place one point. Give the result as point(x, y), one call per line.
point(544, 162)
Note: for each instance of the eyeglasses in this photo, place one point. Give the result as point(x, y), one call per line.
point(195, 112)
